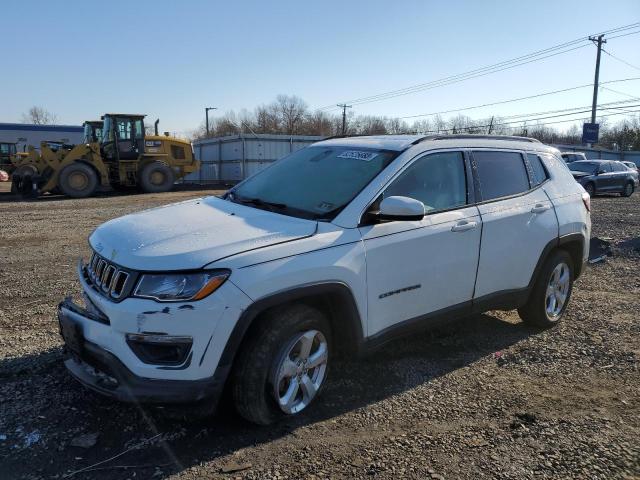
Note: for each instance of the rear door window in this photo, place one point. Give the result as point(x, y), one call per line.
point(500, 174)
point(605, 168)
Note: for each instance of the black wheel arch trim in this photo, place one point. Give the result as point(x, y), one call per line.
point(348, 308)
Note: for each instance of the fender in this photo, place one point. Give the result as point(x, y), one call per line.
point(342, 305)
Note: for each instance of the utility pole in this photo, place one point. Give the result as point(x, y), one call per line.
point(206, 114)
point(491, 125)
point(344, 107)
point(598, 41)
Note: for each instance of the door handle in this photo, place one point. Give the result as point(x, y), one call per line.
point(463, 226)
point(539, 208)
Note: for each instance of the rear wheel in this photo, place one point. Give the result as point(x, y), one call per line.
point(283, 365)
point(628, 189)
point(551, 292)
point(78, 180)
point(590, 188)
point(157, 177)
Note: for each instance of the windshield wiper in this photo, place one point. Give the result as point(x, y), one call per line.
point(258, 202)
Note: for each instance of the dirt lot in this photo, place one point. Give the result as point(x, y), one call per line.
point(484, 397)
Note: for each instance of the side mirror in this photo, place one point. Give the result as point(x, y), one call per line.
point(600, 172)
point(401, 208)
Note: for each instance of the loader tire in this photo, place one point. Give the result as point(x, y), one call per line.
point(157, 177)
point(22, 181)
point(78, 180)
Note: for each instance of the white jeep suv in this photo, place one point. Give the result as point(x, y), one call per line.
point(336, 248)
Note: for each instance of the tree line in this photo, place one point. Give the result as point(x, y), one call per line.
point(290, 115)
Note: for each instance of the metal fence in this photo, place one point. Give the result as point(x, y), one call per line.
point(233, 158)
point(597, 154)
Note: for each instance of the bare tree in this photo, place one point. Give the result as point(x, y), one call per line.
point(267, 119)
point(39, 116)
point(292, 111)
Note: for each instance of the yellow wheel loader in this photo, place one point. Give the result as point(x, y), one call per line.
point(124, 157)
point(9, 155)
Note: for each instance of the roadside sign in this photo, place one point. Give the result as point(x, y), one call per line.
point(590, 132)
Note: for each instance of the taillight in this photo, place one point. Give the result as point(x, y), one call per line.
point(586, 199)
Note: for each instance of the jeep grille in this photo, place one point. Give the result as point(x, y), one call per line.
point(108, 278)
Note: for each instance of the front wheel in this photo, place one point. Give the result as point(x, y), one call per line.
point(551, 292)
point(590, 188)
point(628, 189)
point(78, 180)
point(283, 365)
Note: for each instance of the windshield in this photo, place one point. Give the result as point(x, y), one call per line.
point(314, 182)
point(586, 167)
point(107, 134)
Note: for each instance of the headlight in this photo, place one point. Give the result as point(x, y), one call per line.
point(171, 287)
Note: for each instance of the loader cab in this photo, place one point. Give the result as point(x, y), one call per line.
point(122, 136)
point(8, 154)
point(7, 151)
point(93, 131)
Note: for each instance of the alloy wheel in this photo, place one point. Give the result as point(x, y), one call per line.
point(300, 371)
point(557, 290)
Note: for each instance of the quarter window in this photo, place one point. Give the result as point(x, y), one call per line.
point(437, 180)
point(538, 173)
point(500, 174)
point(618, 167)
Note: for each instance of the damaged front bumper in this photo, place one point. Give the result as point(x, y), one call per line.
point(101, 371)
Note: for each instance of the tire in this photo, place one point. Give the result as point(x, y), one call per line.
point(590, 188)
point(157, 177)
point(78, 180)
point(628, 189)
point(261, 372)
point(22, 180)
point(541, 309)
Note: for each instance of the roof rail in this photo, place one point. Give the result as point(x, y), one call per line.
point(511, 138)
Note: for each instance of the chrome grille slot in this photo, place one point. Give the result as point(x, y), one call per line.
point(99, 270)
point(108, 278)
point(120, 280)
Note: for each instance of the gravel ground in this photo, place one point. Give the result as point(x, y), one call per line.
point(484, 397)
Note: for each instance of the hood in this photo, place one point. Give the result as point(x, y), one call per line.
point(192, 234)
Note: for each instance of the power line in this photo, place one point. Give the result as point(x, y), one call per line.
point(620, 60)
point(449, 80)
point(518, 61)
point(506, 124)
point(620, 93)
point(624, 35)
point(602, 106)
point(577, 119)
point(523, 117)
point(511, 100)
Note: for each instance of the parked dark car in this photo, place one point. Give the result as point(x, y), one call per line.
point(603, 176)
point(570, 157)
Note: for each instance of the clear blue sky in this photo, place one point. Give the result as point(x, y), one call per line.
point(79, 59)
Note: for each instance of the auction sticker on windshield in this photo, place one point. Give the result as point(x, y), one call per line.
point(358, 155)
